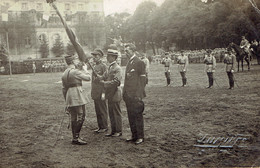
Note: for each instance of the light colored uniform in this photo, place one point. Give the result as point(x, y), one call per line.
point(147, 64)
point(210, 63)
point(72, 86)
point(230, 60)
point(183, 62)
point(167, 62)
point(245, 45)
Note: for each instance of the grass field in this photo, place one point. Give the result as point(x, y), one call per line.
point(32, 108)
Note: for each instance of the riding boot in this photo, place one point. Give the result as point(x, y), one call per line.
point(76, 140)
point(232, 84)
point(73, 129)
point(211, 82)
point(168, 81)
point(184, 81)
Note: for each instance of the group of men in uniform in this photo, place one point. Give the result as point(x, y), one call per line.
point(106, 93)
point(182, 61)
point(210, 67)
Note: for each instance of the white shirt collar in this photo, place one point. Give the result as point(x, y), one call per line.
point(112, 63)
point(132, 58)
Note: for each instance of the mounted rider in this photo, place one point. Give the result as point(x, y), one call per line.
point(245, 45)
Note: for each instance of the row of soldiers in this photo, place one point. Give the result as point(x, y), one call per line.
point(210, 67)
point(107, 93)
point(54, 66)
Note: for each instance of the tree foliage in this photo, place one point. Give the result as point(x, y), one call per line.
point(44, 48)
point(90, 30)
point(70, 50)
point(3, 55)
point(58, 47)
point(193, 24)
point(20, 28)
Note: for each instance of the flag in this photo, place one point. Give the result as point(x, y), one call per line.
point(72, 37)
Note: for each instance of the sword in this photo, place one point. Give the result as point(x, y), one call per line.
point(235, 81)
point(58, 134)
point(215, 81)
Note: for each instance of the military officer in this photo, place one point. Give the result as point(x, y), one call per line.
point(147, 64)
point(167, 64)
point(245, 44)
point(183, 62)
point(97, 92)
point(230, 60)
point(210, 67)
point(111, 81)
point(133, 93)
point(74, 95)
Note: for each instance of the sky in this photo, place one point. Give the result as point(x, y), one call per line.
point(118, 6)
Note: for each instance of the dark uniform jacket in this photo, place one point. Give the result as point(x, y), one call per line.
point(135, 79)
point(96, 87)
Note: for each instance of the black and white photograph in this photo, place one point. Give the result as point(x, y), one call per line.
point(129, 83)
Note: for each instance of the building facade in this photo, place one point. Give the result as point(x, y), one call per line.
point(85, 17)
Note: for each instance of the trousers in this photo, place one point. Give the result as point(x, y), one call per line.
point(101, 113)
point(231, 79)
point(77, 114)
point(184, 79)
point(115, 116)
point(211, 79)
point(135, 109)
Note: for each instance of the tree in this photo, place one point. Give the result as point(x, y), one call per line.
point(138, 24)
point(44, 47)
point(21, 29)
point(116, 26)
point(58, 48)
point(3, 55)
point(197, 25)
point(70, 50)
point(90, 30)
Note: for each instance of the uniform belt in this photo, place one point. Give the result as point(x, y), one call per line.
point(229, 63)
point(74, 85)
point(209, 63)
point(181, 63)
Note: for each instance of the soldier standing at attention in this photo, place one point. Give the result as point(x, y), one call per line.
point(133, 93)
point(33, 67)
point(74, 95)
point(97, 92)
point(167, 64)
point(183, 62)
point(210, 67)
point(111, 81)
point(230, 60)
point(147, 64)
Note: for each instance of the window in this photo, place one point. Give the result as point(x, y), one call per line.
point(80, 6)
point(24, 6)
point(27, 41)
point(39, 6)
point(67, 6)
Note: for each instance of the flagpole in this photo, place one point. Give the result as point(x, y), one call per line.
point(73, 38)
point(7, 43)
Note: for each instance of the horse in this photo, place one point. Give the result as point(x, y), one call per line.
point(241, 55)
